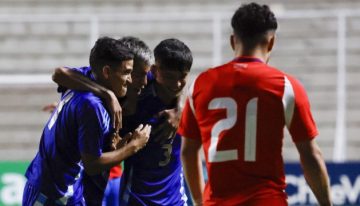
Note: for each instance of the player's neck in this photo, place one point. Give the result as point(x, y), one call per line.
point(98, 80)
point(258, 53)
point(164, 95)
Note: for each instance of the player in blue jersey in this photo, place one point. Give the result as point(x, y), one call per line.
point(142, 62)
point(77, 79)
point(154, 175)
point(79, 129)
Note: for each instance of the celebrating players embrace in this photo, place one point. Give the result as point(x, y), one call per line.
point(124, 107)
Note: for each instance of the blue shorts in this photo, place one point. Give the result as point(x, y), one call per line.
point(111, 195)
point(33, 197)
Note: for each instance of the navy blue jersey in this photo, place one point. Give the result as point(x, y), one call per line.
point(153, 176)
point(94, 186)
point(80, 124)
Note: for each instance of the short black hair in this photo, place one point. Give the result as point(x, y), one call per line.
point(139, 48)
point(173, 54)
point(252, 21)
point(108, 51)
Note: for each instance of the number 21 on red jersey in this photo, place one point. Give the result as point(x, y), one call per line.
point(230, 105)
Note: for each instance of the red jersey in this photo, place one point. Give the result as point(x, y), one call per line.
point(239, 111)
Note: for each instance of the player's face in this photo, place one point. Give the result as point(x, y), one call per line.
point(120, 77)
point(138, 76)
point(173, 81)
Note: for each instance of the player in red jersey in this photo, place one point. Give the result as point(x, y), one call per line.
point(237, 112)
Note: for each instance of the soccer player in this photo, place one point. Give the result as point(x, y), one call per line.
point(77, 79)
point(142, 63)
point(73, 139)
point(237, 113)
point(154, 176)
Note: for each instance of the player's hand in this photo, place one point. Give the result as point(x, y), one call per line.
point(140, 137)
point(50, 107)
point(168, 126)
point(115, 110)
point(117, 141)
point(124, 141)
point(115, 138)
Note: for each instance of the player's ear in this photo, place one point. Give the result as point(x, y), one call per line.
point(271, 42)
point(232, 41)
point(106, 71)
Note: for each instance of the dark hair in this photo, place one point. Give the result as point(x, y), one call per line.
point(173, 54)
point(251, 22)
point(140, 50)
point(108, 51)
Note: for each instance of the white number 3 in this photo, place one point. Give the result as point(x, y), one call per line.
point(229, 122)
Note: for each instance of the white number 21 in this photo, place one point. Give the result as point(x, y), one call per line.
point(224, 124)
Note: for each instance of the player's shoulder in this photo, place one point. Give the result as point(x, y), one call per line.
point(286, 77)
point(212, 73)
point(276, 72)
point(90, 105)
point(267, 69)
point(83, 69)
point(295, 82)
point(88, 99)
point(220, 68)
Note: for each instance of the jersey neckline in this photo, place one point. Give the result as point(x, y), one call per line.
point(244, 59)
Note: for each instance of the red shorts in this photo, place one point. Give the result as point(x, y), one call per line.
point(276, 201)
point(267, 202)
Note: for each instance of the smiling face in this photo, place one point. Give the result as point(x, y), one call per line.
point(118, 78)
point(139, 77)
point(142, 61)
point(172, 81)
point(173, 60)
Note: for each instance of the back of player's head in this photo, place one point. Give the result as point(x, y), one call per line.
point(108, 51)
point(140, 50)
point(251, 22)
point(173, 54)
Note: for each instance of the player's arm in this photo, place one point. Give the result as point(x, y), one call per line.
point(74, 80)
point(50, 107)
point(169, 123)
point(191, 161)
point(94, 165)
point(315, 171)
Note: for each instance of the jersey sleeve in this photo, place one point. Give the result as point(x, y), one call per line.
point(93, 123)
point(188, 126)
point(302, 126)
point(85, 71)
